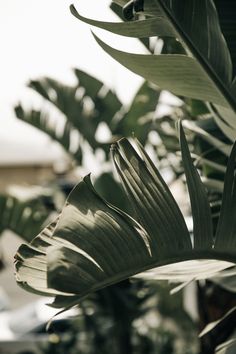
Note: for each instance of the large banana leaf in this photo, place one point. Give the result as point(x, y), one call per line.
point(205, 72)
point(93, 244)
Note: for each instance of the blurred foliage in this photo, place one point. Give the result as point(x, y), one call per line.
point(25, 217)
point(130, 317)
point(135, 316)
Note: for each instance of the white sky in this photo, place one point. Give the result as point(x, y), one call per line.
point(40, 38)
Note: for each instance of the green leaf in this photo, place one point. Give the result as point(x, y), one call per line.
point(202, 224)
point(225, 234)
point(119, 12)
point(198, 26)
point(177, 73)
point(112, 191)
point(31, 265)
point(223, 117)
point(61, 96)
point(65, 136)
point(137, 120)
point(71, 101)
point(91, 85)
point(65, 99)
point(99, 245)
point(204, 73)
point(84, 106)
point(23, 217)
point(154, 205)
point(106, 105)
point(212, 140)
point(228, 24)
point(138, 29)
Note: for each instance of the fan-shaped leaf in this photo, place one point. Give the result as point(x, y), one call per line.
point(99, 244)
point(155, 207)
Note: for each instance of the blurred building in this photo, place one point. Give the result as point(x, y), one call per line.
point(27, 158)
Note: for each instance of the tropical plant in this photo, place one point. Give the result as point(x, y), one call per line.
point(89, 240)
point(158, 238)
point(83, 107)
point(203, 65)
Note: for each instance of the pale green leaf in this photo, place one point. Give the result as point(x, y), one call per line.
point(138, 29)
point(179, 74)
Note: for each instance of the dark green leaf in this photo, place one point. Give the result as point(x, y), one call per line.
point(202, 224)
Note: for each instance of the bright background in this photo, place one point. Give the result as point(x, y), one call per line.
point(42, 38)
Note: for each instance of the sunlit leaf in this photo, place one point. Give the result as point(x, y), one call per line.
point(93, 244)
point(204, 73)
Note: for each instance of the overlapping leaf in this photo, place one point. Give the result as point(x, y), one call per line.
point(205, 73)
point(215, 330)
point(203, 234)
point(65, 136)
point(83, 106)
point(228, 24)
point(138, 118)
point(94, 244)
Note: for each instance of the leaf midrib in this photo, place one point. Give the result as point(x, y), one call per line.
point(196, 54)
point(181, 257)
